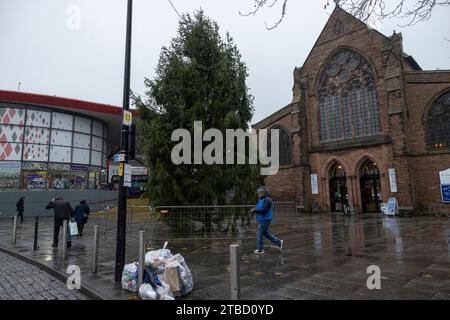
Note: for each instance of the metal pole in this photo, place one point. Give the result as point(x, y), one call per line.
point(36, 228)
point(235, 272)
point(95, 250)
point(64, 240)
point(141, 259)
point(122, 205)
point(14, 235)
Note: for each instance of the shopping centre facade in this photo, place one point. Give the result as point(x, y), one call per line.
point(55, 146)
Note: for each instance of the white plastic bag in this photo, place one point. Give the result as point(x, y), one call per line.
point(130, 277)
point(146, 292)
point(73, 228)
point(185, 275)
point(157, 259)
point(164, 292)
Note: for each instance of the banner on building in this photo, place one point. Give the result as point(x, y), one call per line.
point(393, 180)
point(314, 184)
point(444, 177)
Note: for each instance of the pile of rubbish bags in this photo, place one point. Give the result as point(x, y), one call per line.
point(166, 276)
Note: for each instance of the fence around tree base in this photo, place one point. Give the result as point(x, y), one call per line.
point(213, 222)
point(196, 222)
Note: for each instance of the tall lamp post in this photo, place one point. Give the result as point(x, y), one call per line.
point(122, 205)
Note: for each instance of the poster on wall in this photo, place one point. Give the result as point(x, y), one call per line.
point(314, 184)
point(393, 180)
point(444, 177)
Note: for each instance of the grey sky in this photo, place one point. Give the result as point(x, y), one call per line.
point(39, 50)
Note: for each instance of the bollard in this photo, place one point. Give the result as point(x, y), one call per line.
point(235, 272)
point(64, 240)
point(105, 219)
point(95, 250)
point(14, 234)
point(36, 228)
point(141, 259)
point(130, 218)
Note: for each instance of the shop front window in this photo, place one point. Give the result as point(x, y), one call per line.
point(34, 176)
point(9, 175)
point(94, 177)
point(59, 176)
point(79, 177)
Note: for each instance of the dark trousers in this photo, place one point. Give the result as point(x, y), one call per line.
point(20, 215)
point(58, 225)
point(80, 228)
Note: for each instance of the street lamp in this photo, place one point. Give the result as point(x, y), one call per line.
point(122, 205)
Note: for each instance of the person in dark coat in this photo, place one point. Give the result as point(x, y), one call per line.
point(62, 211)
point(81, 216)
point(20, 206)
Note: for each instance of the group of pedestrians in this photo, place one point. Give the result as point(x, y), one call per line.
point(62, 210)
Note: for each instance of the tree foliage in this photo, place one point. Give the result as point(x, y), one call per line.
point(199, 77)
point(413, 10)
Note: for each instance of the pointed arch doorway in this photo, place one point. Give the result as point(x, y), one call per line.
point(338, 188)
point(370, 187)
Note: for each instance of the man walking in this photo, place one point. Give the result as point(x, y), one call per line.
point(20, 206)
point(264, 214)
point(62, 211)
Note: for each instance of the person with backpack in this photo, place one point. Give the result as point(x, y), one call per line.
point(20, 206)
point(81, 216)
point(264, 215)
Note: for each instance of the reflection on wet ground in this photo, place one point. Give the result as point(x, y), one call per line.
point(325, 257)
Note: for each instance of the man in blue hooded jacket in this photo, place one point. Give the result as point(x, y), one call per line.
point(264, 215)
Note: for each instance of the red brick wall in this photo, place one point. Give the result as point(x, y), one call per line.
point(402, 96)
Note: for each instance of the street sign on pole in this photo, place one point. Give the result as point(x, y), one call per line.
point(119, 157)
point(127, 118)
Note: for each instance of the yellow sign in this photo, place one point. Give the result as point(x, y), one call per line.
point(127, 118)
point(121, 169)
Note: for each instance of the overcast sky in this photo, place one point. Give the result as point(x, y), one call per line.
point(38, 49)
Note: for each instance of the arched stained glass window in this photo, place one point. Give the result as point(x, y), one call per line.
point(347, 98)
point(438, 123)
point(285, 150)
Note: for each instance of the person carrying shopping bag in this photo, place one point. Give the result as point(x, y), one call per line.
point(62, 211)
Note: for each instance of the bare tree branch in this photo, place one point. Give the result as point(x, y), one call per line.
point(366, 10)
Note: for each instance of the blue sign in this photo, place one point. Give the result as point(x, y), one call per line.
point(119, 157)
point(392, 207)
point(445, 193)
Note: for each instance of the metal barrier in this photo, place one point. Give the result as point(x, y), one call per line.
point(213, 222)
point(196, 222)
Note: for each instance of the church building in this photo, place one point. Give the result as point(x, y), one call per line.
point(366, 123)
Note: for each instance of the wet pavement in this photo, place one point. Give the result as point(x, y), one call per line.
point(325, 257)
point(20, 280)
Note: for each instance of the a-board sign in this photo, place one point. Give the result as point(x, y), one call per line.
point(392, 207)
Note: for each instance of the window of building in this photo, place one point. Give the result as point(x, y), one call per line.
point(34, 176)
point(9, 174)
point(79, 177)
point(438, 123)
point(285, 146)
point(347, 99)
point(59, 176)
